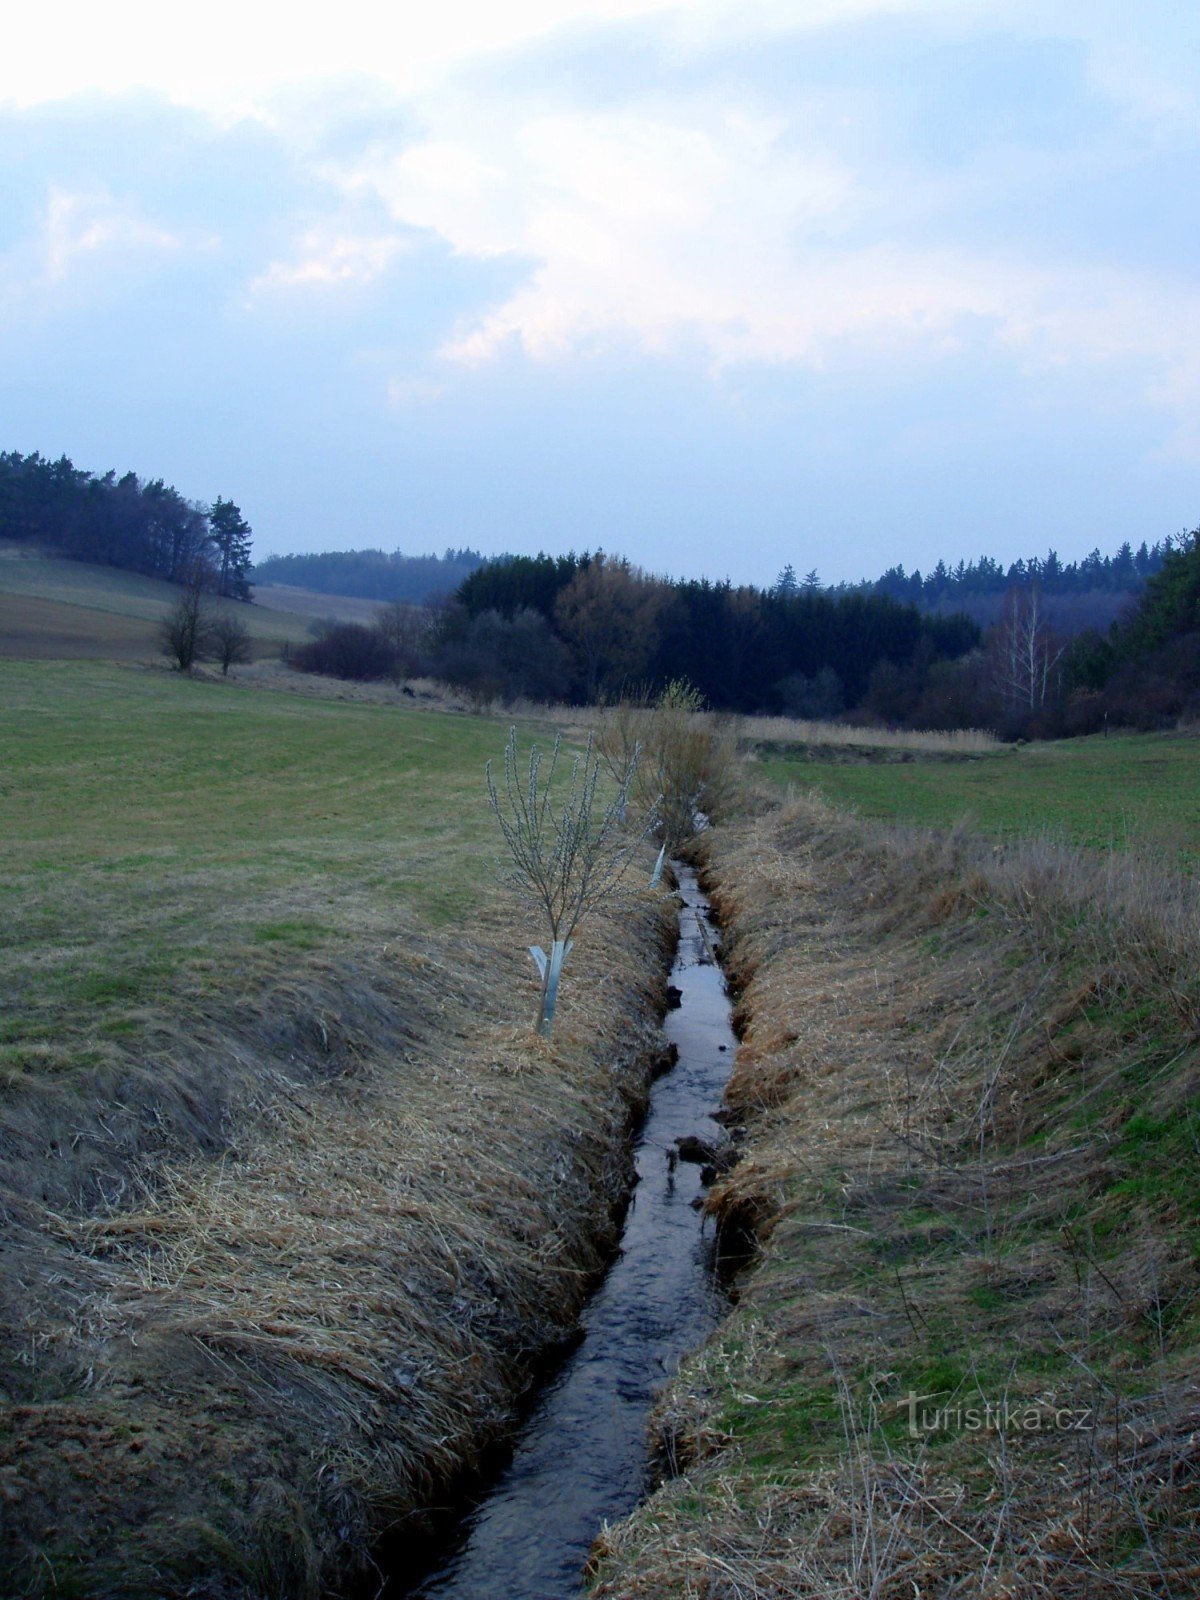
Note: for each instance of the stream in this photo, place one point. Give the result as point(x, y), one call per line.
point(580, 1458)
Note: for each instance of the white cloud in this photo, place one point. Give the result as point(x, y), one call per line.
point(325, 259)
point(708, 226)
point(82, 225)
point(230, 54)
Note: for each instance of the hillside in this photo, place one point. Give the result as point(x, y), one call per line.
point(55, 609)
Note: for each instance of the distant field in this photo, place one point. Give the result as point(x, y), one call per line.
point(157, 826)
point(51, 609)
point(1131, 787)
point(308, 603)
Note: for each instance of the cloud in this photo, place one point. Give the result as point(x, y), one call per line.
point(609, 264)
point(722, 228)
point(324, 258)
point(82, 225)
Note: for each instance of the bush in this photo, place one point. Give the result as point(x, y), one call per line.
point(346, 650)
point(685, 759)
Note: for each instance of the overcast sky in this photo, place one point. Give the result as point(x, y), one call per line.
point(718, 285)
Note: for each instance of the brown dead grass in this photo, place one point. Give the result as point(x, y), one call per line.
point(968, 1076)
point(267, 1292)
point(837, 735)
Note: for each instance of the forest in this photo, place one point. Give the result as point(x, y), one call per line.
point(372, 574)
point(137, 524)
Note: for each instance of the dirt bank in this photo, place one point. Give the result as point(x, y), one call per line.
point(965, 1360)
point(264, 1291)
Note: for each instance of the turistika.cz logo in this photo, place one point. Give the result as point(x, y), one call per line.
point(926, 1415)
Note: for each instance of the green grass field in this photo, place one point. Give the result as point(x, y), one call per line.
point(1142, 788)
point(52, 609)
point(159, 829)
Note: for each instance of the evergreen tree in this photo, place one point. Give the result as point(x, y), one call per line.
point(230, 535)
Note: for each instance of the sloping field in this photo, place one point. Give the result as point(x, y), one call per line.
point(966, 1360)
point(51, 609)
point(291, 1195)
point(1126, 789)
point(308, 603)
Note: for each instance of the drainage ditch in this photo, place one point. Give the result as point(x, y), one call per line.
point(580, 1458)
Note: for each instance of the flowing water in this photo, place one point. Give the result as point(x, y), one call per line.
point(580, 1458)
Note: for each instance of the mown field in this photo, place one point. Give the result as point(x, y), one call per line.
point(52, 609)
point(1126, 789)
point(153, 823)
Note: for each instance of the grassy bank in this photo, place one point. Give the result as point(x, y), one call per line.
point(965, 1362)
point(291, 1195)
point(1129, 788)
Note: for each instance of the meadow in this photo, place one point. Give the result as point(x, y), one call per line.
point(52, 609)
point(1121, 790)
point(289, 1182)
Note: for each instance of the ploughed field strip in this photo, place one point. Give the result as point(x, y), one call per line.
point(292, 1198)
point(965, 1361)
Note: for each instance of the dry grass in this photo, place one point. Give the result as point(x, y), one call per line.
point(783, 731)
point(970, 1080)
point(426, 694)
point(279, 1307)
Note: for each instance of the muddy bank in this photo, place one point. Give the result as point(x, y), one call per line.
point(964, 1361)
point(264, 1295)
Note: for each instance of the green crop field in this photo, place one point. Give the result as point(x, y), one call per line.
point(1130, 788)
point(159, 830)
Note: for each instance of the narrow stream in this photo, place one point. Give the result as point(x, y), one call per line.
point(580, 1458)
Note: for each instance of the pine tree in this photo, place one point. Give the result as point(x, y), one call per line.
point(230, 534)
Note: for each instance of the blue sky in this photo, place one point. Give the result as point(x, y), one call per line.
point(717, 285)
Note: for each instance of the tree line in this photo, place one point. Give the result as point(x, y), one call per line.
point(588, 628)
point(1089, 592)
point(138, 524)
point(583, 628)
point(1122, 573)
point(372, 574)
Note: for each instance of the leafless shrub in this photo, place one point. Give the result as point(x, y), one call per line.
point(565, 855)
point(185, 633)
point(230, 641)
point(688, 766)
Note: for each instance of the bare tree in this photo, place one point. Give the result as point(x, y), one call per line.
point(565, 856)
point(407, 629)
point(230, 641)
point(185, 633)
point(1024, 651)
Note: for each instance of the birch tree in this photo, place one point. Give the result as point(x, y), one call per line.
point(1024, 651)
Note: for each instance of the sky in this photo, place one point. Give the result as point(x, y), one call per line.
point(719, 286)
